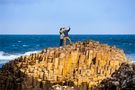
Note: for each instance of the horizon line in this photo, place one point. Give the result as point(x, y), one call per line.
point(69, 34)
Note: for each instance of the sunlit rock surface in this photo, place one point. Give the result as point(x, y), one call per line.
point(81, 66)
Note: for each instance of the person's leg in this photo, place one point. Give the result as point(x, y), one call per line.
point(61, 42)
point(69, 40)
point(65, 38)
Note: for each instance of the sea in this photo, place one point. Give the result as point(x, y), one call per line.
point(13, 46)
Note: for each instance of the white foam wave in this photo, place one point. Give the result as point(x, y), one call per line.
point(24, 45)
point(5, 57)
point(30, 52)
point(19, 41)
point(131, 57)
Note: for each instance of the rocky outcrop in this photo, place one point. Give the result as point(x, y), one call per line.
point(81, 66)
point(121, 79)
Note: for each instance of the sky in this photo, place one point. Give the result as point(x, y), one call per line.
point(83, 16)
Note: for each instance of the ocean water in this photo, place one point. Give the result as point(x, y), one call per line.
point(13, 46)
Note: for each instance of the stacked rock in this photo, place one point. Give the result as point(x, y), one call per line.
point(121, 79)
point(81, 66)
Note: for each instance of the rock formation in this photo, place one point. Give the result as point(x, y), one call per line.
point(121, 79)
point(81, 66)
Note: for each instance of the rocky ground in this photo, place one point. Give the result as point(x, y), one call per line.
point(86, 65)
point(121, 79)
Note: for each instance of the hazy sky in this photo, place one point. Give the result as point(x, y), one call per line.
point(84, 16)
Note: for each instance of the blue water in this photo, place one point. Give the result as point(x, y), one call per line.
point(12, 46)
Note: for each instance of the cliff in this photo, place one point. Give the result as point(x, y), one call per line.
point(81, 66)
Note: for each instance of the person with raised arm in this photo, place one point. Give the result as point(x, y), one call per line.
point(66, 36)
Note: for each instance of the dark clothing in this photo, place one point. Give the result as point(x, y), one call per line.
point(61, 42)
point(66, 32)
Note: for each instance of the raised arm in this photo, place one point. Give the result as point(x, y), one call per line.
point(68, 29)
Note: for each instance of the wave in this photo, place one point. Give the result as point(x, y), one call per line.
point(131, 57)
point(24, 45)
point(30, 52)
point(5, 57)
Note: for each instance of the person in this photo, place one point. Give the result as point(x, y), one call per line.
point(66, 36)
point(61, 36)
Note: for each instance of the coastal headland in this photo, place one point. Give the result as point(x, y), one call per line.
point(87, 65)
